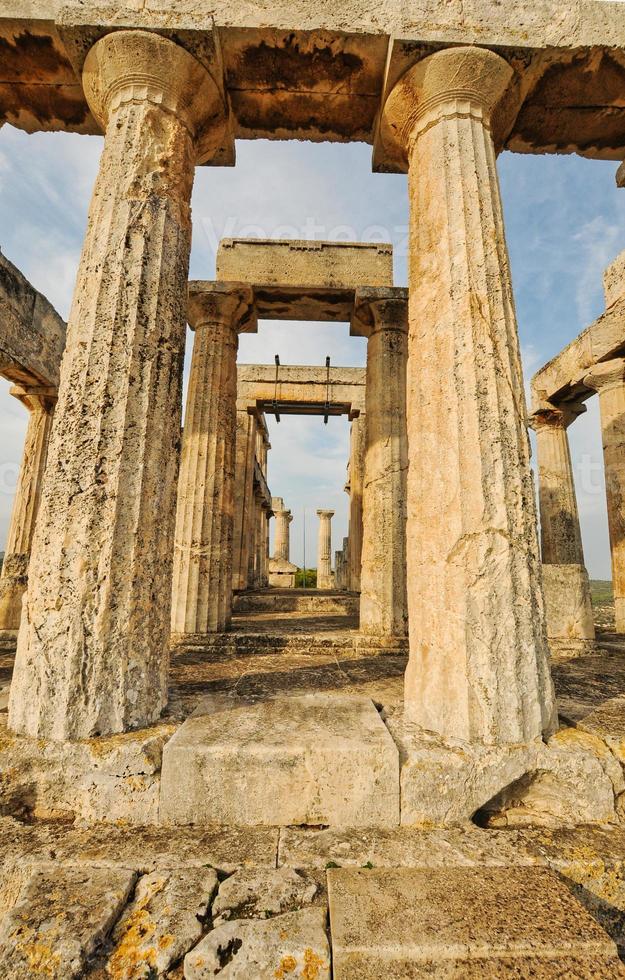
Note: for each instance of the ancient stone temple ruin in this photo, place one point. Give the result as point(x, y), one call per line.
point(416, 768)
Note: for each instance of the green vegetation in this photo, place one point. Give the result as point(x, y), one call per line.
point(601, 591)
point(311, 578)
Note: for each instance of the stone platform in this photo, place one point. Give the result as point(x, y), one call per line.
point(316, 602)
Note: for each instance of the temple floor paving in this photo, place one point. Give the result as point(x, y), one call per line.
point(81, 898)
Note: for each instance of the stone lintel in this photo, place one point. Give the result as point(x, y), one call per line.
point(301, 389)
point(215, 300)
point(335, 266)
point(366, 298)
point(32, 338)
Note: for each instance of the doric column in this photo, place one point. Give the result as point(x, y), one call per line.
point(478, 666)
point(561, 538)
point(244, 496)
point(265, 516)
point(92, 654)
point(40, 403)
point(357, 436)
point(383, 600)
point(281, 546)
point(202, 576)
point(565, 579)
point(324, 550)
point(608, 379)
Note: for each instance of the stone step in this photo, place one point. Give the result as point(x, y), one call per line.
point(297, 600)
point(239, 643)
point(310, 760)
point(463, 922)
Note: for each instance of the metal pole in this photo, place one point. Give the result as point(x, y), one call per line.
point(304, 547)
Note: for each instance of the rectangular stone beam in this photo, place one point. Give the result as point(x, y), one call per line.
point(561, 379)
point(309, 71)
point(301, 384)
point(32, 334)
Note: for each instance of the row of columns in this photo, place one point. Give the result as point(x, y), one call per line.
point(92, 652)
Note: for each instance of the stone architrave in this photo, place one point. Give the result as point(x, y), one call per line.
point(357, 438)
point(608, 379)
point(478, 665)
point(92, 655)
point(325, 579)
point(244, 497)
point(202, 573)
point(383, 599)
point(568, 606)
point(40, 403)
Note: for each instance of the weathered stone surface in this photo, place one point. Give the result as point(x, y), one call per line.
point(245, 448)
point(356, 476)
point(478, 667)
point(293, 944)
point(61, 920)
point(163, 921)
point(262, 894)
point(301, 601)
point(325, 578)
point(33, 334)
point(93, 647)
point(464, 922)
point(316, 759)
point(608, 724)
point(110, 779)
point(301, 385)
point(568, 610)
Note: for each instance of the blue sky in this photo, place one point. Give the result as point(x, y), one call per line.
point(565, 221)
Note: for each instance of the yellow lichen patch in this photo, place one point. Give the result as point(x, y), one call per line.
point(133, 951)
point(313, 964)
point(165, 941)
point(287, 965)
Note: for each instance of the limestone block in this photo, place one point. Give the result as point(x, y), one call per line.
point(106, 779)
point(568, 610)
point(613, 281)
point(446, 781)
point(61, 920)
point(162, 923)
point(261, 894)
point(462, 922)
point(309, 263)
point(607, 722)
point(294, 944)
point(313, 759)
point(573, 780)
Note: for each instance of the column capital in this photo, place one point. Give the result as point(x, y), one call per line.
point(285, 515)
point(379, 308)
point(325, 513)
point(556, 416)
point(606, 375)
point(35, 397)
point(138, 66)
point(455, 81)
point(229, 304)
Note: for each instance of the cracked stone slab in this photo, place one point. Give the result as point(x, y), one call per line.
point(162, 923)
point(312, 759)
point(61, 919)
point(261, 894)
point(409, 923)
point(291, 945)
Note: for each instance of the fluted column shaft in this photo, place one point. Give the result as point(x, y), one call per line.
point(244, 498)
point(608, 379)
point(478, 665)
point(202, 577)
point(40, 403)
point(383, 599)
point(281, 548)
point(92, 653)
point(561, 538)
point(324, 550)
point(357, 439)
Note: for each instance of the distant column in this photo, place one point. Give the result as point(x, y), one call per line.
point(567, 589)
point(608, 379)
point(244, 497)
point(202, 577)
point(383, 600)
point(281, 548)
point(324, 550)
point(40, 403)
point(357, 437)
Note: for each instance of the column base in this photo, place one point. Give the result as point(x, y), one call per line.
point(619, 614)
point(568, 608)
point(11, 595)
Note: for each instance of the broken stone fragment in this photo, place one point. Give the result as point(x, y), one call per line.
point(261, 894)
point(285, 946)
point(163, 921)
